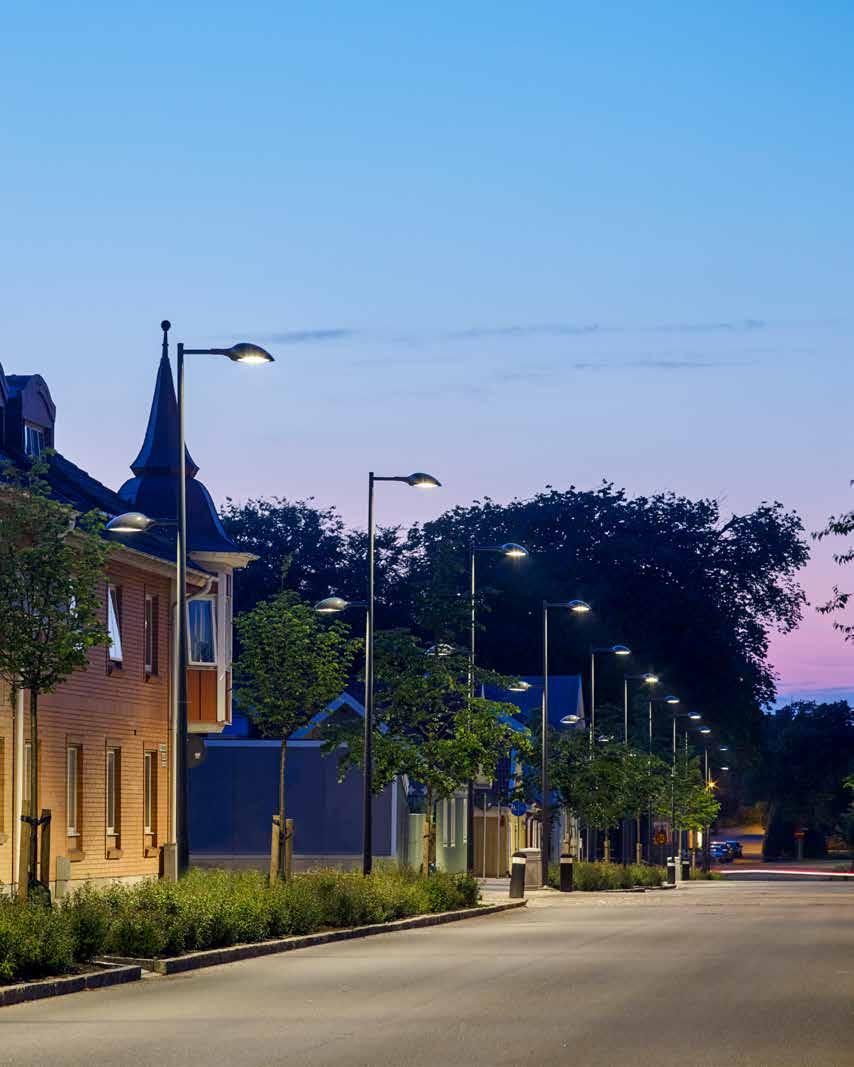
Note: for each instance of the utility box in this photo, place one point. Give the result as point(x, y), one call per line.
point(533, 867)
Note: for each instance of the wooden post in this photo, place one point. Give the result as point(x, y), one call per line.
point(44, 851)
point(275, 847)
point(289, 847)
point(23, 859)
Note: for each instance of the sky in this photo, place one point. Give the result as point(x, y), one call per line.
point(512, 245)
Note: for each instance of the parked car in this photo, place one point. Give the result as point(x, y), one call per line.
point(735, 847)
point(720, 852)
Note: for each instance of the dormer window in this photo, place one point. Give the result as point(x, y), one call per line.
point(201, 628)
point(34, 442)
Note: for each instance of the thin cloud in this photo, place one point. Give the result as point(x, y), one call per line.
point(311, 337)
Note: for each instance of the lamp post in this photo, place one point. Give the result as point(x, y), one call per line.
point(578, 607)
point(512, 551)
point(694, 716)
point(613, 650)
point(418, 480)
point(137, 522)
point(649, 678)
point(671, 701)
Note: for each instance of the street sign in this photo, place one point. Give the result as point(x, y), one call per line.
point(518, 807)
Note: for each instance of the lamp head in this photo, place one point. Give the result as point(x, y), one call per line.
point(520, 686)
point(331, 605)
point(570, 720)
point(245, 352)
point(621, 650)
point(724, 768)
point(514, 551)
point(130, 522)
point(580, 607)
point(671, 700)
point(695, 716)
point(420, 480)
point(440, 650)
point(650, 678)
point(723, 748)
point(705, 730)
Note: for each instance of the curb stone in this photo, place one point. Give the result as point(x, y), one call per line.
point(213, 957)
point(111, 975)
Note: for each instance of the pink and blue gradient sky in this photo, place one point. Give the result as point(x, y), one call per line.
point(511, 247)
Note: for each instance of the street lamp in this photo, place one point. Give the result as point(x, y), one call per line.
point(577, 607)
point(512, 551)
point(418, 480)
point(649, 678)
point(613, 650)
point(693, 716)
point(137, 522)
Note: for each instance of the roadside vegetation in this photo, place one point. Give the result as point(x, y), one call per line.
point(211, 909)
point(594, 877)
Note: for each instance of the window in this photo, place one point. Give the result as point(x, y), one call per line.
point(114, 624)
point(449, 822)
point(72, 790)
point(149, 784)
point(113, 791)
point(202, 630)
point(34, 443)
point(151, 633)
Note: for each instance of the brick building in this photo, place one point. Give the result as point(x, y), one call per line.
point(104, 748)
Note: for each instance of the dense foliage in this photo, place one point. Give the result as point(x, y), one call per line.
point(694, 594)
point(592, 877)
point(807, 752)
point(211, 909)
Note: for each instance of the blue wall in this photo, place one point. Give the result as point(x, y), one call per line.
point(234, 794)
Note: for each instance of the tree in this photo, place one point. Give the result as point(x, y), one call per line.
point(289, 668)
point(838, 526)
point(426, 727)
point(51, 602)
point(806, 752)
point(645, 777)
point(692, 802)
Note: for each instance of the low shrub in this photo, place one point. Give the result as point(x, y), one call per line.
point(35, 942)
point(595, 877)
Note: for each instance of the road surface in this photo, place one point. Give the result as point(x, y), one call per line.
point(709, 974)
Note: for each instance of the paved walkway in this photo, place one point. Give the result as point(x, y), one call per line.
point(744, 974)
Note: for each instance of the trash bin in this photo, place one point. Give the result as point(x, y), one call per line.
point(671, 870)
point(533, 867)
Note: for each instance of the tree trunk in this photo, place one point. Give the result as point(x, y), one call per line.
point(284, 871)
point(32, 866)
point(607, 847)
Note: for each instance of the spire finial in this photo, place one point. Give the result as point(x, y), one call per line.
point(165, 326)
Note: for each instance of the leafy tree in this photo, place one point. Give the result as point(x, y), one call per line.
point(51, 600)
point(426, 727)
point(645, 778)
point(289, 668)
point(807, 751)
point(839, 526)
point(692, 802)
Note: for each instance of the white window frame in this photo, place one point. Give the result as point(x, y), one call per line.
point(72, 790)
point(114, 625)
point(149, 622)
point(210, 599)
point(452, 822)
point(111, 792)
point(34, 434)
point(148, 764)
point(465, 820)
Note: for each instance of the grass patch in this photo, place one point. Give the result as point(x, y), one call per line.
point(697, 874)
point(211, 909)
point(594, 877)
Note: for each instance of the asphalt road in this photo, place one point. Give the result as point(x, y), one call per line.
point(718, 973)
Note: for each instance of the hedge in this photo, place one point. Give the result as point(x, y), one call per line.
point(591, 877)
point(210, 909)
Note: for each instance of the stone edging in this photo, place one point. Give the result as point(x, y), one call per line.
point(212, 957)
point(74, 983)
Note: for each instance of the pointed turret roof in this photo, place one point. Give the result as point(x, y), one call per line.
point(153, 490)
point(160, 445)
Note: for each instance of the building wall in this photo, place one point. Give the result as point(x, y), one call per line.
point(97, 708)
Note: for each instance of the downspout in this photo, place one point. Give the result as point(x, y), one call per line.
point(18, 782)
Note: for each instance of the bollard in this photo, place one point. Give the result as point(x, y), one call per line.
point(671, 870)
point(517, 876)
point(565, 873)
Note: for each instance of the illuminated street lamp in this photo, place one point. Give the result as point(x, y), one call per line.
point(417, 480)
point(613, 650)
point(576, 607)
point(511, 551)
point(134, 522)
